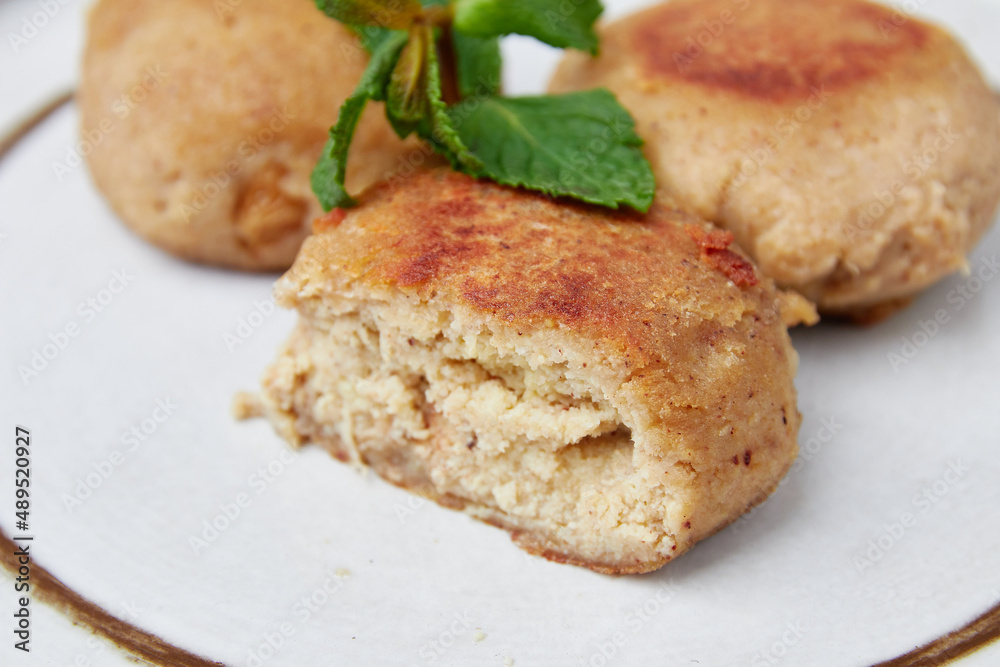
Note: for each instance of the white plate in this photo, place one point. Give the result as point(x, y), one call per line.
point(788, 584)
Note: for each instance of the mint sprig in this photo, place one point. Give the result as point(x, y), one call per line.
point(580, 145)
point(556, 22)
point(532, 142)
point(477, 64)
point(392, 14)
point(328, 176)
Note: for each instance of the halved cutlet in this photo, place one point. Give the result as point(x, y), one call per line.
point(592, 382)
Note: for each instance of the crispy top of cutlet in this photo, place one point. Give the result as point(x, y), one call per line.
point(530, 262)
point(779, 50)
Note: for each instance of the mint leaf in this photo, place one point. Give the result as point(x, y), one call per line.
point(439, 128)
point(328, 176)
point(373, 38)
point(580, 145)
point(561, 23)
point(391, 14)
point(477, 64)
point(406, 96)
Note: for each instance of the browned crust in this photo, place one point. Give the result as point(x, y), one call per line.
point(786, 122)
point(974, 635)
point(774, 51)
point(600, 273)
point(705, 365)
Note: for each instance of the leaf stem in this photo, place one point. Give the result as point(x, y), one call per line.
point(449, 68)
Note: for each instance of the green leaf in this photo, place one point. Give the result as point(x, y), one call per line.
point(328, 176)
point(580, 145)
point(406, 96)
point(373, 37)
point(477, 64)
point(391, 14)
point(561, 23)
point(439, 128)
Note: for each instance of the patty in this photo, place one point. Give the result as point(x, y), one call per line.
point(853, 150)
point(608, 387)
point(204, 120)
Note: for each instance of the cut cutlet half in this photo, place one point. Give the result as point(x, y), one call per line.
point(596, 383)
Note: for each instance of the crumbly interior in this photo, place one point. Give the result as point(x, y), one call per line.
point(504, 424)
